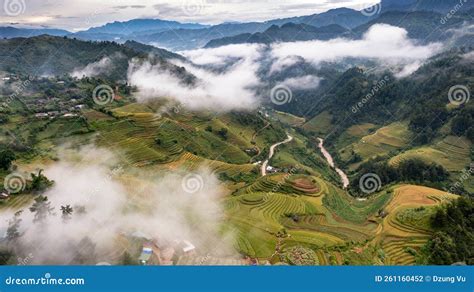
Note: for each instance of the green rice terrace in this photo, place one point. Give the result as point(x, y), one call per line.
point(297, 214)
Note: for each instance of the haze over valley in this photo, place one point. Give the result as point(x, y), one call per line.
point(326, 133)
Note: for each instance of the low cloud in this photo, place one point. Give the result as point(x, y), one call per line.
point(217, 88)
point(389, 45)
point(104, 65)
point(114, 205)
point(303, 82)
point(229, 76)
point(469, 57)
point(222, 55)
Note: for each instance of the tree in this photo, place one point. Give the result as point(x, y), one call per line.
point(223, 133)
point(13, 226)
point(42, 208)
point(3, 119)
point(66, 212)
point(40, 182)
point(442, 249)
point(6, 158)
point(453, 240)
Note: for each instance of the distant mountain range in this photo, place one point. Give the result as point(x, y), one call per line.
point(423, 18)
point(182, 36)
point(148, 26)
point(422, 25)
point(13, 32)
point(285, 33)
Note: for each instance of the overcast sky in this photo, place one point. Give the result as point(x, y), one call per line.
point(81, 14)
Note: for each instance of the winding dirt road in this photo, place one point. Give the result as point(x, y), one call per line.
point(272, 152)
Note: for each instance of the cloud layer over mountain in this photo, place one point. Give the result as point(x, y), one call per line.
point(230, 77)
point(386, 44)
point(220, 90)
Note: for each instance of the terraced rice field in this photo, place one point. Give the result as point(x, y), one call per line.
point(397, 250)
point(257, 218)
point(191, 162)
point(261, 212)
point(406, 228)
point(392, 137)
point(452, 152)
point(352, 210)
point(352, 135)
point(288, 184)
point(135, 141)
point(319, 124)
point(16, 203)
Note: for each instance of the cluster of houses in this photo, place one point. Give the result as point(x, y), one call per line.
point(71, 112)
point(180, 252)
point(9, 77)
point(51, 106)
point(162, 252)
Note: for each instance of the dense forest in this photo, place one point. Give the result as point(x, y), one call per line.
point(453, 241)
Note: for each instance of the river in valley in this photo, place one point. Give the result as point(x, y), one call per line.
point(330, 160)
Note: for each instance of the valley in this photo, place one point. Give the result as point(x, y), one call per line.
point(338, 138)
point(330, 160)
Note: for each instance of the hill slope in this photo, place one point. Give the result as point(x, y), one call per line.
point(48, 55)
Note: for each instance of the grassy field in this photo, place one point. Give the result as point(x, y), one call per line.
point(389, 138)
point(352, 135)
point(451, 152)
point(289, 119)
point(320, 124)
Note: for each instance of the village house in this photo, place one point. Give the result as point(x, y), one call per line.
point(41, 115)
point(187, 247)
point(4, 195)
point(271, 169)
point(148, 256)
